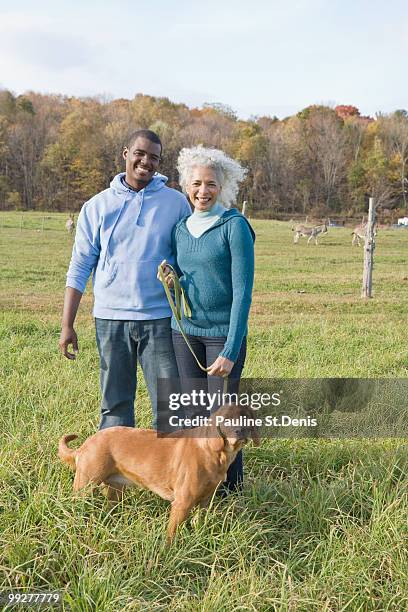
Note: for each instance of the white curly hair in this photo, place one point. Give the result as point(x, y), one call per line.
point(229, 172)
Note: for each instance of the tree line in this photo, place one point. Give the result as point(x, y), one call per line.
point(57, 151)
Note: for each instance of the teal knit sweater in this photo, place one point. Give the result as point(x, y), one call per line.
point(217, 272)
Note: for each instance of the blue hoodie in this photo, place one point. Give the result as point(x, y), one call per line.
point(122, 236)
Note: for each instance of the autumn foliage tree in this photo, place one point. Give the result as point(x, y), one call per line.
point(57, 151)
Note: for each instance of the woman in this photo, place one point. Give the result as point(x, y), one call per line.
point(214, 250)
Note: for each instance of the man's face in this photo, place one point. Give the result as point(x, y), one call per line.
point(142, 160)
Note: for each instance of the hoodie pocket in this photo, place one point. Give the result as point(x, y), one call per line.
point(130, 285)
point(111, 273)
point(147, 290)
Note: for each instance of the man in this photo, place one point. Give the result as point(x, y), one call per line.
point(123, 234)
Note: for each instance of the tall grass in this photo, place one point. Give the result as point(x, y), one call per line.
point(322, 524)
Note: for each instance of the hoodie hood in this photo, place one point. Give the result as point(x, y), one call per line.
point(158, 182)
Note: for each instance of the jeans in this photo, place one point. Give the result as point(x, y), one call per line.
point(207, 350)
point(121, 345)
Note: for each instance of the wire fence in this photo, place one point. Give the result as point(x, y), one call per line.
point(56, 222)
point(34, 221)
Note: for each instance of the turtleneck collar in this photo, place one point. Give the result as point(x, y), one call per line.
point(215, 211)
point(200, 222)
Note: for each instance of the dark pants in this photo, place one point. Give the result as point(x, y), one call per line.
point(207, 350)
point(121, 345)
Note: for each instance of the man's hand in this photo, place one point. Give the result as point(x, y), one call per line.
point(166, 271)
point(221, 367)
point(68, 337)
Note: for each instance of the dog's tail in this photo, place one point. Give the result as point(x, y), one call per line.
point(67, 455)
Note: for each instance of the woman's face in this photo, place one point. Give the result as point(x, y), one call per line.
point(203, 188)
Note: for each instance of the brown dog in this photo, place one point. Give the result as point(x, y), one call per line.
point(184, 467)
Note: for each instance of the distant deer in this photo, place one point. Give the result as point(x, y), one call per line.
point(310, 232)
point(70, 224)
point(360, 232)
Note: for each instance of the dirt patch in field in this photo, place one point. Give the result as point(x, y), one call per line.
point(44, 303)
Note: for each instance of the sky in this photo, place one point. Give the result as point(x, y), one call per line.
point(260, 57)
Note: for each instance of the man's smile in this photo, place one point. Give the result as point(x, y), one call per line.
point(142, 170)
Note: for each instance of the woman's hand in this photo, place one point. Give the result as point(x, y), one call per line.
point(166, 271)
point(221, 367)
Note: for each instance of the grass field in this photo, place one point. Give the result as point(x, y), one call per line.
point(322, 524)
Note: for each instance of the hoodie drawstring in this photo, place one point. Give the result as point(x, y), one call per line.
point(140, 207)
point(105, 259)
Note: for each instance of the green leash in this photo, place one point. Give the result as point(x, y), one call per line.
point(177, 305)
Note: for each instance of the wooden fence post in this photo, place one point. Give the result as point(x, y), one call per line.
point(369, 246)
